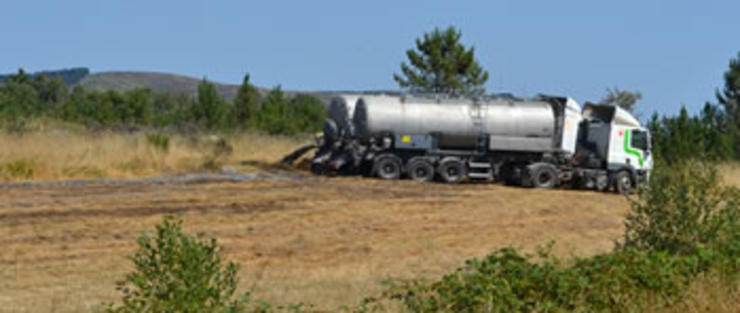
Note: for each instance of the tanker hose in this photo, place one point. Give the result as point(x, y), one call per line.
point(297, 154)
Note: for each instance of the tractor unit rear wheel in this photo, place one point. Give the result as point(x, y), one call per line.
point(545, 177)
point(420, 169)
point(452, 170)
point(388, 166)
point(623, 183)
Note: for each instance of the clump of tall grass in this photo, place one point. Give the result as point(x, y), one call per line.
point(18, 169)
point(159, 141)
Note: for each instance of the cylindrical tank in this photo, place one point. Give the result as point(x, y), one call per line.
point(341, 109)
point(458, 122)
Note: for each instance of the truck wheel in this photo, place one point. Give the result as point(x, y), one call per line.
point(420, 169)
point(452, 170)
point(545, 177)
point(388, 166)
point(623, 182)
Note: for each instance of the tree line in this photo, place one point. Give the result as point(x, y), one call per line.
point(23, 97)
point(713, 134)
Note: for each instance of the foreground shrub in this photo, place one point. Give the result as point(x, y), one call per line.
point(507, 281)
point(683, 225)
point(683, 209)
point(178, 273)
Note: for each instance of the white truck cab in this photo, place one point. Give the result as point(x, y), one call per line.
point(613, 139)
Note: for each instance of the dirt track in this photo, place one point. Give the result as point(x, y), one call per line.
point(324, 241)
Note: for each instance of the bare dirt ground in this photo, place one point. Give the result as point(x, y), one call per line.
point(324, 241)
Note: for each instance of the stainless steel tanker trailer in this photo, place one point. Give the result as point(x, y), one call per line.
point(545, 142)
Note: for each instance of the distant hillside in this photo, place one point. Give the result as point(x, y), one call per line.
point(171, 83)
point(158, 82)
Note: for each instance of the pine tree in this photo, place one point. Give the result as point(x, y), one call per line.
point(246, 104)
point(442, 64)
point(729, 97)
point(717, 139)
point(21, 98)
point(210, 109)
point(275, 114)
point(51, 90)
point(73, 109)
point(139, 104)
point(622, 98)
point(308, 113)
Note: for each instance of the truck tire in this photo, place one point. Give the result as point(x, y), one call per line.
point(420, 169)
point(388, 166)
point(623, 183)
point(452, 170)
point(545, 177)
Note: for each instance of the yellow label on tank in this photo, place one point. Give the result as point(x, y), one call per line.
point(406, 139)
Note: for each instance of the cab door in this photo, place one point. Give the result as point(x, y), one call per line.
point(629, 148)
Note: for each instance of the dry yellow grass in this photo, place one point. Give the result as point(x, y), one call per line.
point(731, 173)
point(328, 242)
point(58, 155)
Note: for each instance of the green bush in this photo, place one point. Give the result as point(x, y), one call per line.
point(159, 141)
point(682, 209)
point(280, 116)
point(683, 225)
point(507, 281)
point(178, 273)
point(309, 113)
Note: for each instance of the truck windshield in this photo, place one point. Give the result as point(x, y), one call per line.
point(640, 140)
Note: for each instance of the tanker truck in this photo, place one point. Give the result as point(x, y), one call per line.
point(543, 142)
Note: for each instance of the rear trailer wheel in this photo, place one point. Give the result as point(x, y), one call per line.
point(623, 183)
point(420, 169)
point(388, 166)
point(545, 177)
point(452, 170)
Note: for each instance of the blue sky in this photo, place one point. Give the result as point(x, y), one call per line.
point(674, 52)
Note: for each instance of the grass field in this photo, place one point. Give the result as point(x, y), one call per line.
point(329, 242)
point(325, 241)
